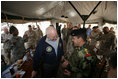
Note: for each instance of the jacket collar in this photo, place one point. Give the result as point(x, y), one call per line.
point(47, 41)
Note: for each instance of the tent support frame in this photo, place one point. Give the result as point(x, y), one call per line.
point(84, 17)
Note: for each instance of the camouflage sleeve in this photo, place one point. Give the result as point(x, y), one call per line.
point(101, 37)
point(35, 36)
point(75, 63)
point(113, 42)
point(25, 39)
point(2, 38)
point(41, 33)
point(25, 33)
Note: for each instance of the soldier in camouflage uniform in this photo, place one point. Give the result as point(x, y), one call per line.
point(69, 50)
point(94, 34)
point(5, 39)
point(107, 44)
point(39, 34)
point(70, 47)
point(80, 63)
point(64, 34)
point(31, 38)
point(17, 44)
point(112, 30)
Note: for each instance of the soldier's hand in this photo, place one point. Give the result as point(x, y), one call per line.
point(6, 40)
point(62, 58)
point(66, 72)
point(65, 64)
point(100, 33)
point(25, 36)
point(34, 73)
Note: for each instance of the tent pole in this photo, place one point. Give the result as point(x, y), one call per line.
point(75, 9)
point(83, 18)
point(94, 9)
point(84, 24)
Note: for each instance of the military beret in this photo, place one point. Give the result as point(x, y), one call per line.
point(78, 32)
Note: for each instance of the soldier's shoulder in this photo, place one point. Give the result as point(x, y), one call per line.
point(26, 31)
point(110, 35)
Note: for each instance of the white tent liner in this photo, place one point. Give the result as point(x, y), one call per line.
point(106, 11)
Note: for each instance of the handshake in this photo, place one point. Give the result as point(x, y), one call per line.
point(67, 68)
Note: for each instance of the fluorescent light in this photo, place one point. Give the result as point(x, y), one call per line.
point(40, 11)
point(72, 14)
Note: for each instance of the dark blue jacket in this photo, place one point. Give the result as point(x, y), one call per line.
point(46, 53)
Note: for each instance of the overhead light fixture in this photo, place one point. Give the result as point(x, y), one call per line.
point(72, 14)
point(40, 11)
point(62, 16)
point(66, 16)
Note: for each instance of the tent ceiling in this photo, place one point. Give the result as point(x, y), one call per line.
point(107, 10)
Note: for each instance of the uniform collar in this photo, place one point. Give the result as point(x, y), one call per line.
point(84, 46)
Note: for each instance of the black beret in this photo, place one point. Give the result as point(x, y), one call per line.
point(78, 32)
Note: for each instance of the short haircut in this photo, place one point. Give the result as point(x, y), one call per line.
point(29, 26)
point(51, 25)
point(12, 29)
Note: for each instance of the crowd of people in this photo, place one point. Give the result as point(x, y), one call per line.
point(14, 45)
point(72, 55)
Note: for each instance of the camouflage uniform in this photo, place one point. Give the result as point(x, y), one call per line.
point(68, 33)
point(69, 44)
point(112, 32)
point(69, 48)
point(17, 46)
point(80, 63)
point(6, 47)
point(107, 46)
point(107, 43)
point(31, 39)
point(64, 32)
point(39, 35)
point(93, 37)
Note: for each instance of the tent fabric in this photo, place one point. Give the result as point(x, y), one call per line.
point(106, 11)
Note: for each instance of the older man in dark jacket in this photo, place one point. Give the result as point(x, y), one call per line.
point(49, 51)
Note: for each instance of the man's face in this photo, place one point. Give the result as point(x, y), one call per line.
point(105, 30)
point(89, 26)
point(111, 29)
point(53, 37)
point(16, 33)
point(38, 27)
point(95, 29)
point(76, 41)
point(30, 28)
point(5, 30)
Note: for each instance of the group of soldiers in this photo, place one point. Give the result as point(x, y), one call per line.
point(81, 47)
point(99, 43)
point(13, 44)
point(33, 36)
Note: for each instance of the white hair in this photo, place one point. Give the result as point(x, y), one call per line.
point(49, 29)
point(5, 27)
